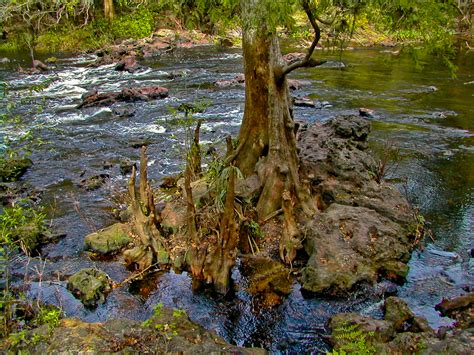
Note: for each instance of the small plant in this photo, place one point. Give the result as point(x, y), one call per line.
point(387, 161)
point(352, 340)
point(417, 229)
point(167, 330)
point(22, 226)
point(255, 230)
point(49, 316)
point(178, 313)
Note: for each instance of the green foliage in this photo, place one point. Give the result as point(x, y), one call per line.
point(178, 313)
point(352, 339)
point(26, 336)
point(219, 185)
point(22, 225)
point(134, 25)
point(207, 15)
point(48, 316)
point(254, 229)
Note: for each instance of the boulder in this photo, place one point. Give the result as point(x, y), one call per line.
point(460, 308)
point(336, 149)
point(139, 256)
point(351, 245)
point(168, 331)
point(39, 65)
point(400, 332)
point(128, 64)
point(109, 240)
point(146, 93)
point(293, 57)
point(90, 286)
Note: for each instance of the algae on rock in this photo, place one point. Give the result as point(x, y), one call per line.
point(109, 240)
point(90, 286)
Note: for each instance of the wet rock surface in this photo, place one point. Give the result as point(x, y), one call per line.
point(109, 240)
point(399, 332)
point(168, 331)
point(94, 98)
point(362, 232)
point(269, 280)
point(460, 308)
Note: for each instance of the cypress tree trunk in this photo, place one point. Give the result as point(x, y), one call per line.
point(267, 143)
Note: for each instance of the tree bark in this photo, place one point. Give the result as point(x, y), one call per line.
point(150, 245)
point(267, 138)
point(109, 10)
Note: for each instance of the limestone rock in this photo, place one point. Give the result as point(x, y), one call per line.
point(399, 333)
point(269, 280)
point(166, 332)
point(349, 245)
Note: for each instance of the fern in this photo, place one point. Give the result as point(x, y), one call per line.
point(352, 339)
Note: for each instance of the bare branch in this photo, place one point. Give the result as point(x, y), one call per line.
point(307, 61)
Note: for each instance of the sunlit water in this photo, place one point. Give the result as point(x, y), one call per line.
point(421, 109)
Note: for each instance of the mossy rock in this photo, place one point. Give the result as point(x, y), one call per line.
point(109, 240)
point(13, 169)
point(90, 286)
point(169, 332)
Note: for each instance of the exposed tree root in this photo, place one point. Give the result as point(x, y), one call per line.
point(150, 244)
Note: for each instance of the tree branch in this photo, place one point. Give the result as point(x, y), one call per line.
point(306, 61)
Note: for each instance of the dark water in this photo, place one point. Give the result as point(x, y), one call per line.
point(419, 108)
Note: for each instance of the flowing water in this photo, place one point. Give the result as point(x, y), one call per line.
point(419, 108)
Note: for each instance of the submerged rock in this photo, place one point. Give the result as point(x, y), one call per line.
point(90, 286)
point(109, 240)
point(400, 332)
point(269, 280)
point(94, 182)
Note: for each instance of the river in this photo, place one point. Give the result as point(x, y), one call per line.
point(419, 108)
